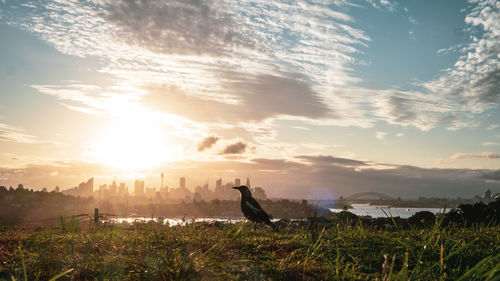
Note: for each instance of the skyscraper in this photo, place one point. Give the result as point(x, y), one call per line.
point(86, 188)
point(237, 182)
point(139, 188)
point(122, 189)
point(182, 182)
point(113, 188)
point(218, 185)
point(248, 182)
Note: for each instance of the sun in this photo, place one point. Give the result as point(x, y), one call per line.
point(134, 142)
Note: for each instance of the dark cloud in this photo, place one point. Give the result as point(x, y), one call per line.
point(179, 26)
point(322, 160)
point(259, 96)
point(207, 143)
point(235, 148)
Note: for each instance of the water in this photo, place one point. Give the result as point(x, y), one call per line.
point(169, 221)
point(377, 211)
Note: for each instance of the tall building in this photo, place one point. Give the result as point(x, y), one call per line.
point(139, 188)
point(113, 188)
point(182, 183)
point(122, 189)
point(86, 188)
point(218, 185)
point(161, 181)
point(259, 193)
point(237, 182)
point(248, 182)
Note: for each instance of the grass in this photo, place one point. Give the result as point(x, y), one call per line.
point(238, 252)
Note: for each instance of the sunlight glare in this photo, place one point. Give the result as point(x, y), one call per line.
point(134, 142)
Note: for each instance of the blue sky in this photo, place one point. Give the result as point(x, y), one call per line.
point(133, 87)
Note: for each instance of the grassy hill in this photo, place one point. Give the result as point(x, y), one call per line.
point(153, 251)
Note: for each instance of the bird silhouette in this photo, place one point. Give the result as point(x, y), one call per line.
point(251, 208)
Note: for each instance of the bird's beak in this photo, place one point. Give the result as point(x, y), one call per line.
point(236, 187)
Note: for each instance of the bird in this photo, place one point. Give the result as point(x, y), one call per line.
point(251, 208)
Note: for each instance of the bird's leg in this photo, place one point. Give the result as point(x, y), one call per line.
point(254, 226)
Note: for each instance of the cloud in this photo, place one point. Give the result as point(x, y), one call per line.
point(475, 78)
point(174, 27)
point(215, 53)
point(492, 127)
point(489, 143)
point(382, 5)
point(207, 143)
point(235, 148)
point(214, 61)
point(412, 35)
point(259, 97)
point(14, 134)
point(330, 160)
point(484, 155)
point(380, 135)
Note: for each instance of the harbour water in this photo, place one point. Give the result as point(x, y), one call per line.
point(375, 211)
point(170, 221)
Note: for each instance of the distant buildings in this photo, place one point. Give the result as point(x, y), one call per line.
point(259, 193)
point(122, 189)
point(182, 183)
point(222, 191)
point(84, 189)
point(139, 188)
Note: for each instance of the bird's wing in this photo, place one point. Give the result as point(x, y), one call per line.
point(255, 206)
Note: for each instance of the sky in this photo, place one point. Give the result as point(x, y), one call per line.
point(307, 98)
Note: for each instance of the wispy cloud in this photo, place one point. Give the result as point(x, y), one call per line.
point(475, 77)
point(247, 61)
point(382, 5)
point(380, 135)
point(11, 133)
point(490, 143)
point(484, 155)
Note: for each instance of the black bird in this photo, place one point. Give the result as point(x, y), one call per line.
point(251, 208)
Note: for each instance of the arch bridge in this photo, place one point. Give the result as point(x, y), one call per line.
point(363, 195)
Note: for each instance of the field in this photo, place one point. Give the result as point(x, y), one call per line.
point(81, 251)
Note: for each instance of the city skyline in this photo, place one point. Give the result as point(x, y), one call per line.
point(221, 190)
point(309, 98)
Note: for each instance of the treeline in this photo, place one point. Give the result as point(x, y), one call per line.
point(464, 215)
point(473, 214)
point(23, 205)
